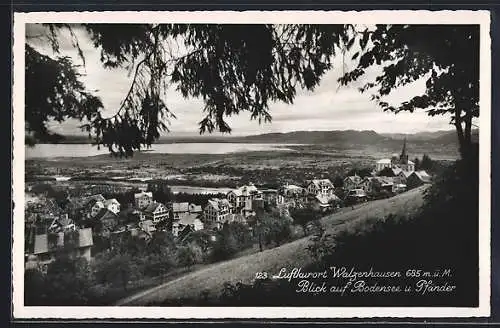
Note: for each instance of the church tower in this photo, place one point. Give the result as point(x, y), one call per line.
point(403, 158)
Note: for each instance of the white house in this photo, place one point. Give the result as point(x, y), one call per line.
point(217, 212)
point(155, 212)
point(179, 210)
point(143, 199)
point(382, 164)
point(320, 187)
point(112, 205)
point(325, 202)
point(242, 199)
point(94, 207)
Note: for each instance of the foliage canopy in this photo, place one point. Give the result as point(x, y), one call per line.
point(244, 68)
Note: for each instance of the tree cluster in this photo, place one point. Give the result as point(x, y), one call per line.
point(233, 68)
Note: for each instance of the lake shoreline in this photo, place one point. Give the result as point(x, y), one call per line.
point(65, 151)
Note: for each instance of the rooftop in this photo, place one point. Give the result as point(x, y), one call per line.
point(152, 207)
point(42, 241)
point(216, 203)
point(143, 193)
point(188, 219)
point(180, 207)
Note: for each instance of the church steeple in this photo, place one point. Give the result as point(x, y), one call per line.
point(403, 159)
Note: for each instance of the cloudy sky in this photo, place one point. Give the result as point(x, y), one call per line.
point(328, 107)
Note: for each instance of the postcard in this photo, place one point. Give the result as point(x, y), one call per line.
point(252, 164)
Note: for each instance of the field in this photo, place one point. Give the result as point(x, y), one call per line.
point(270, 168)
point(294, 254)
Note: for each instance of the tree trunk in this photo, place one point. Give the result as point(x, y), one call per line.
point(463, 126)
point(459, 128)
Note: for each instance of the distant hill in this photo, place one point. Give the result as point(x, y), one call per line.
point(419, 136)
point(441, 137)
point(337, 137)
point(451, 137)
point(318, 137)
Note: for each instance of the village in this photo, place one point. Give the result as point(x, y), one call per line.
point(47, 224)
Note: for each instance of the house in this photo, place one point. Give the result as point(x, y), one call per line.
point(190, 220)
point(400, 161)
point(112, 205)
point(382, 183)
point(325, 203)
point(401, 177)
point(179, 210)
point(93, 207)
point(143, 199)
point(107, 219)
point(195, 209)
point(352, 182)
point(382, 164)
point(320, 187)
point(270, 197)
point(217, 212)
point(373, 185)
point(148, 226)
point(356, 196)
point(242, 199)
point(47, 245)
point(367, 185)
point(417, 178)
point(62, 223)
point(89, 201)
point(156, 212)
point(291, 194)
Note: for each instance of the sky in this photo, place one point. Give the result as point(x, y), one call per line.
point(328, 107)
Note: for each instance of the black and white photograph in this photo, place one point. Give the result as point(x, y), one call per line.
point(275, 165)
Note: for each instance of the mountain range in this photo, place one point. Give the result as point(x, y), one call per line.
point(341, 137)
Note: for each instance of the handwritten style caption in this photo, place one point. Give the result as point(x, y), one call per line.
point(351, 280)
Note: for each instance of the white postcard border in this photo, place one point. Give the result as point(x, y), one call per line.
point(319, 17)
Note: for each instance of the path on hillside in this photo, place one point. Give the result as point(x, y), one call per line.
point(289, 255)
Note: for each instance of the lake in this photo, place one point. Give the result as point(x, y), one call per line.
point(85, 150)
point(198, 190)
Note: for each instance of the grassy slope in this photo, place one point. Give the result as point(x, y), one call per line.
point(293, 254)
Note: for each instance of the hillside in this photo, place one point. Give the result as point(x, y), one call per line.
point(289, 255)
point(451, 137)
